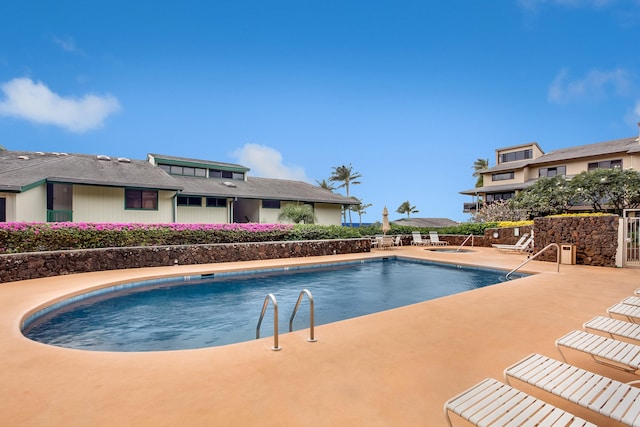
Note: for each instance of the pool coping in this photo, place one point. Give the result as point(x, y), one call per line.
point(391, 368)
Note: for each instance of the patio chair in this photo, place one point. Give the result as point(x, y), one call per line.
point(608, 397)
point(605, 351)
point(398, 241)
point(417, 239)
point(387, 242)
point(491, 402)
point(613, 327)
point(630, 312)
point(634, 300)
point(520, 241)
point(435, 240)
point(523, 247)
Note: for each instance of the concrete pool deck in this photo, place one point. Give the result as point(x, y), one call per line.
point(395, 368)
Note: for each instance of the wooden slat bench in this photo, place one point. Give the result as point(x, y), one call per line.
point(603, 350)
point(614, 327)
point(611, 398)
point(492, 403)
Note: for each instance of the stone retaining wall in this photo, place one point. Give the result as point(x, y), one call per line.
point(505, 236)
point(595, 238)
point(36, 265)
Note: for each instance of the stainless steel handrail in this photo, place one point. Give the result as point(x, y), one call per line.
point(470, 236)
point(311, 315)
point(557, 246)
point(275, 320)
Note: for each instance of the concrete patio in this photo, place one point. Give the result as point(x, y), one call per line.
point(395, 368)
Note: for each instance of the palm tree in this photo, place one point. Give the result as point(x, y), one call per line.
point(360, 209)
point(479, 166)
point(324, 184)
point(347, 177)
point(406, 207)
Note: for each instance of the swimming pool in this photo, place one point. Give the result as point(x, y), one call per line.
point(198, 312)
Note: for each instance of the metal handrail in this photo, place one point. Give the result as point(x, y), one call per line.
point(470, 236)
point(275, 320)
point(311, 316)
point(557, 246)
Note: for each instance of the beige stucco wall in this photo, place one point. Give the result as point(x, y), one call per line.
point(106, 204)
point(632, 161)
point(269, 216)
point(202, 215)
point(518, 176)
point(10, 200)
point(31, 205)
point(327, 214)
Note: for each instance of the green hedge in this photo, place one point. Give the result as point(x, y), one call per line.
point(34, 237)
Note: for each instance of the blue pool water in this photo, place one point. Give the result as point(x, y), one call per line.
point(206, 312)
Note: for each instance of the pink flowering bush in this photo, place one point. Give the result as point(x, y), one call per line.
point(31, 237)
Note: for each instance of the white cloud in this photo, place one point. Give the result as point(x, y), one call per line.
point(67, 44)
point(267, 162)
point(35, 102)
point(596, 84)
point(633, 117)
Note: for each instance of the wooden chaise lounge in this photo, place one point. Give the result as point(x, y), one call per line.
point(608, 397)
point(493, 403)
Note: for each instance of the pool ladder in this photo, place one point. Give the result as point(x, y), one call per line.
point(272, 298)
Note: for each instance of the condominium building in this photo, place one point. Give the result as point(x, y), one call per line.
point(518, 167)
point(39, 187)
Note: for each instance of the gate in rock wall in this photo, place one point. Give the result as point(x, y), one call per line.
point(632, 237)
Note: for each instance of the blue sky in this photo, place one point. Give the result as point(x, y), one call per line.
point(409, 92)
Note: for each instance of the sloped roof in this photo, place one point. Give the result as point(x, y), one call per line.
point(21, 169)
point(624, 145)
point(499, 188)
point(198, 162)
point(261, 188)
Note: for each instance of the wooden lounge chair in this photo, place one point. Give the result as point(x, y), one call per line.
point(493, 403)
point(614, 327)
point(435, 239)
point(417, 239)
point(605, 351)
point(611, 398)
point(523, 247)
point(520, 241)
point(630, 312)
point(631, 301)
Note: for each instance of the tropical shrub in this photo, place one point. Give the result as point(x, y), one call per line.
point(32, 237)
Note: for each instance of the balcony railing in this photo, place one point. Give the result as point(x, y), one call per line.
point(472, 207)
point(59, 215)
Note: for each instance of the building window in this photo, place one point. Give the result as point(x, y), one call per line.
point(141, 199)
point(215, 202)
point(271, 204)
point(183, 170)
point(189, 201)
point(606, 164)
point(494, 197)
point(502, 176)
point(516, 155)
point(217, 173)
point(554, 171)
